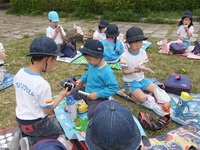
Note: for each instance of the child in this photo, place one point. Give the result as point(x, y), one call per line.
point(113, 48)
point(185, 29)
point(99, 79)
point(33, 94)
point(99, 34)
point(55, 31)
point(132, 61)
point(2, 67)
point(113, 127)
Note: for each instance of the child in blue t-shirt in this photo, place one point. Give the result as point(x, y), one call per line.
point(99, 80)
point(113, 48)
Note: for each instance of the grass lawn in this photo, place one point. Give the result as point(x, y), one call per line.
point(163, 65)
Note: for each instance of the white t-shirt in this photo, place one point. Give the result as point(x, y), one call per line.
point(50, 32)
point(32, 93)
point(130, 60)
point(181, 31)
point(99, 35)
point(2, 50)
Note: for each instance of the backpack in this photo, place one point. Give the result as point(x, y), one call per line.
point(88, 34)
point(68, 50)
point(196, 49)
point(48, 144)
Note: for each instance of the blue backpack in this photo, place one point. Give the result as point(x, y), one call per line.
point(68, 50)
point(48, 144)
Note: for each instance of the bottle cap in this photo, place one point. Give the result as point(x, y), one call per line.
point(186, 96)
point(70, 100)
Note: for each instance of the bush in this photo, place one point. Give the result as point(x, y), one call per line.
point(118, 10)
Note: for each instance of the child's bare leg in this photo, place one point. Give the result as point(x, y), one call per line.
point(151, 88)
point(138, 96)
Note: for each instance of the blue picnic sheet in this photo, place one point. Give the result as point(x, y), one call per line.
point(75, 129)
point(191, 116)
point(8, 81)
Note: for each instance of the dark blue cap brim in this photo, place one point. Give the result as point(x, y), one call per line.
point(91, 52)
point(45, 54)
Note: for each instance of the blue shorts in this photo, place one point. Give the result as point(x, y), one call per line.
point(132, 86)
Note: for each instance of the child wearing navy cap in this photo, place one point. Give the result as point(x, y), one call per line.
point(33, 96)
point(185, 28)
point(113, 128)
point(99, 33)
point(99, 80)
point(113, 48)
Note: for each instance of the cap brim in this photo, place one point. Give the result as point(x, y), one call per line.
point(56, 20)
point(136, 39)
point(133, 146)
point(45, 54)
point(88, 52)
point(88, 139)
point(111, 35)
point(84, 51)
point(187, 16)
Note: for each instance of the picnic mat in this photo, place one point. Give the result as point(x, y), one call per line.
point(146, 44)
point(81, 60)
point(187, 53)
point(6, 136)
point(177, 139)
point(75, 129)
point(68, 59)
point(8, 81)
point(191, 112)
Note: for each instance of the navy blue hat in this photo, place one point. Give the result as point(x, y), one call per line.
point(135, 34)
point(93, 48)
point(48, 144)
point(103, 23)
point(187, 14)
point(44, 46)
point(112, 30)
point(112, 127)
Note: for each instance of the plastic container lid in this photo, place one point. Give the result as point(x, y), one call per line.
point(70, 100)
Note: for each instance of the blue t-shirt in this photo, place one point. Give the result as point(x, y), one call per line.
point(112, 50)
point(100, 79)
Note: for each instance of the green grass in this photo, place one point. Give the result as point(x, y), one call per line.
point(163, 65)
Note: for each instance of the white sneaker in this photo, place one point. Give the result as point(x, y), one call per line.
point(24, 143)
point(14, 143)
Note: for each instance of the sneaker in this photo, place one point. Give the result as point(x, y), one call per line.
point(146, 120)
point(68, 82)
point(24, 143)
point(164, 121)
point(14, 143)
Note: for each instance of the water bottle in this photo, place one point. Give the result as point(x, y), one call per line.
point(164, 44)
point(72, 109)
point(75, 29)
point(182, 104)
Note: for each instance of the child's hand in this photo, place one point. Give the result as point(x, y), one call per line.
point(93, 96)
point(182, 38)
point(64, 93)
point(137, 70)
point(79, 82)
point(58, 29)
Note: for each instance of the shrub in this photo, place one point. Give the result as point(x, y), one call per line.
point(129, 10)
